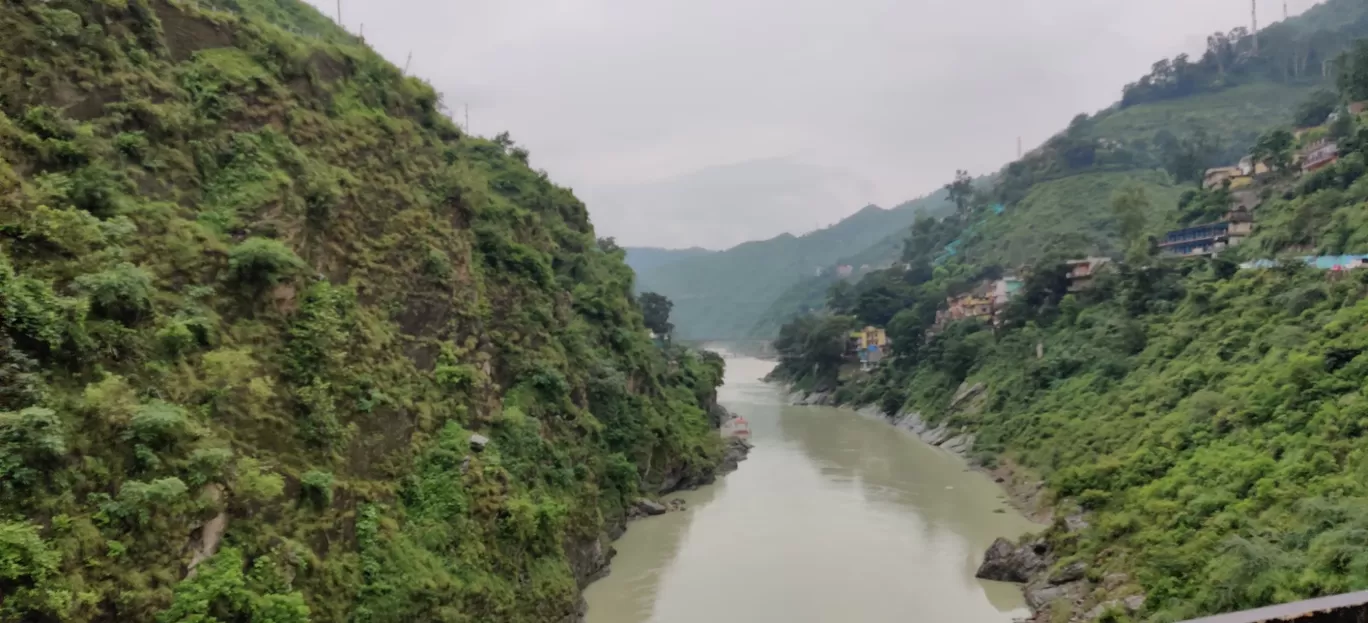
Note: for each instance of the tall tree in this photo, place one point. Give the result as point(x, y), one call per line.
point(1129, 206)
point(1274, 148)
point(656, 308)
point(961, 192)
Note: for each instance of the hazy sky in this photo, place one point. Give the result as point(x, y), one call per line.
point(683, 122)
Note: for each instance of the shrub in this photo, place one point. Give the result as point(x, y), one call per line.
point(224, 590)
point(132, 144)
point(208, 465)
point(158, 424)
point(316, 487)
point(139, 501)
point(95, 189)
point(122, 293)
point(31, 441)
point(263, 261)
point(27, 565)
point(254, 484)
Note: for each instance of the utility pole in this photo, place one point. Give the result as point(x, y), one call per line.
point(1254, 15)
point(467, 117)
point(407, 61)
point(339, 13)
point(1285, 14)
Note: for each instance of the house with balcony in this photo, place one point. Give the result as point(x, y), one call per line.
point(1319, 154)
point(1209, 238)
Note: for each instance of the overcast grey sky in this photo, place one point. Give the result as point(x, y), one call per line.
point(711, 122)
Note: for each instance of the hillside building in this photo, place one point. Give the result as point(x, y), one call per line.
point(1210, 238)
point(1319, 154)
point(1083, 273)
point(870, 345)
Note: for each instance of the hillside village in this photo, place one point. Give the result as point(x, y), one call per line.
point(1241, 188)
point(1163, 338)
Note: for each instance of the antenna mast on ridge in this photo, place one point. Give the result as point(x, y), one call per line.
point(1254, 16)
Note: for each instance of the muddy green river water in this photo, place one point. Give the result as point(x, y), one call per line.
point(835, 517)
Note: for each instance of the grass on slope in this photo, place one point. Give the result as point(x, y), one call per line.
point(1236, 117)
point(1068, 216)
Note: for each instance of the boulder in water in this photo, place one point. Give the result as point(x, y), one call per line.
point(1005, 562)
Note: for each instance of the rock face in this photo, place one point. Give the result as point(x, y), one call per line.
point(813, 398)
point(1005, 562)
point(738, 450)
point(650, 508)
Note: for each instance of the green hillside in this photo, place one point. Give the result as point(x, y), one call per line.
point(258, 296)
point(1197, 427)
point(1058, 198)
point(722, 295)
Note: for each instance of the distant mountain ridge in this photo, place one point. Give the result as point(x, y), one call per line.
point(721, 295)
point(643, 259)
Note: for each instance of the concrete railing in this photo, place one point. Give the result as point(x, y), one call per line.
point(1346, 608)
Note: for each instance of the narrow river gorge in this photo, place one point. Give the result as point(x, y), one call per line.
point(835, 517)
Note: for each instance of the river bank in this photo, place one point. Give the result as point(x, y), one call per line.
point(1048, 584)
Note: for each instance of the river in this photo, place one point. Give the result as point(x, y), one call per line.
point(835, 517)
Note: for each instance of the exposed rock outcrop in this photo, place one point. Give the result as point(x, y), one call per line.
point(1071, 572)
point(1006, 562)
point(650, 508)
point(738, 450)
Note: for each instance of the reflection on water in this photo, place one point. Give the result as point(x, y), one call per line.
point(835, 517)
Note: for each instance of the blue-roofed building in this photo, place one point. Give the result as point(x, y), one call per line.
point(1209, 238)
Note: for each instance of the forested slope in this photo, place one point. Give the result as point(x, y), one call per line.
point(257, 295)
point(1197, 426)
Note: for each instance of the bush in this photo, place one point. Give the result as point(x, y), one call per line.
point(139, 501)
point(253, 484)
point(26, 566)
point(208, 465)
point(316, 487)
point(31, 442)
point(122, 293)
point(158, 424)
point(263, 262)
point(224, 590)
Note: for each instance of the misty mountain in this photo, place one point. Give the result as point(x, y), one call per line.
point(722, 206)
point(650, 258)
point(723, 294)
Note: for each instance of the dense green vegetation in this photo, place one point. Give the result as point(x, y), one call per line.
point(1210, 419)
point(253, 278)
point(1292, 51)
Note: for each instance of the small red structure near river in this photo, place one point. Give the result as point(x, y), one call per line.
point(736, 427)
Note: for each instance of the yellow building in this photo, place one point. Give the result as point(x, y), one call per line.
point(869, 336)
